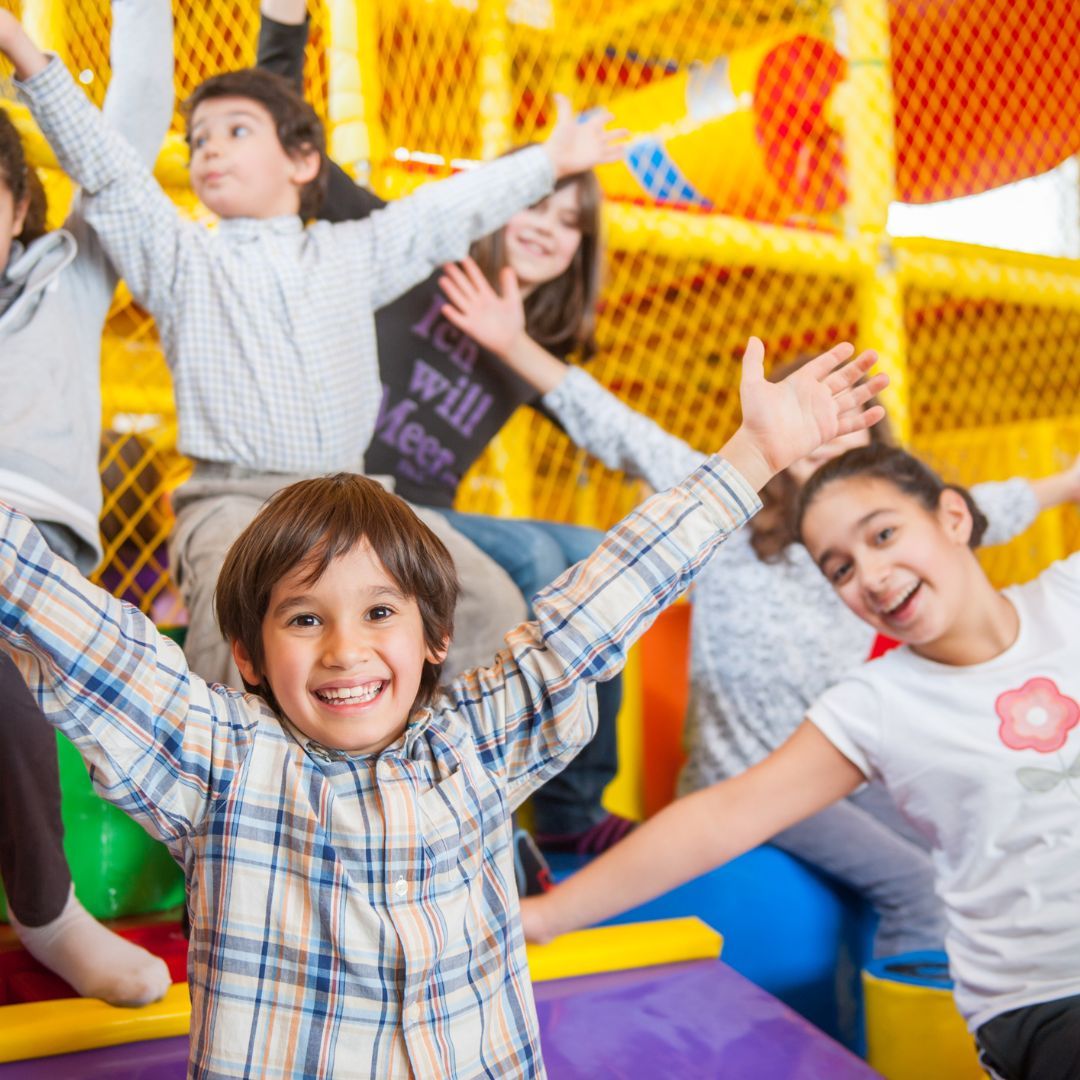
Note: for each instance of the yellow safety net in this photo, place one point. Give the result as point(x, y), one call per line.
point(777, 143)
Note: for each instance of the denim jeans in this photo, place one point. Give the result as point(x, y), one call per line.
point(33, 866)
point(534, 554)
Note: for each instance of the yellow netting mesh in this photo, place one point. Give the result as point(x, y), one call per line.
point(773, 136)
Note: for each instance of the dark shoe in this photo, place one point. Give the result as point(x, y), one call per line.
point(530, 867)
point(598, 838)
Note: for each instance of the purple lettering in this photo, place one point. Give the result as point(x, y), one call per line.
point(445, 337)
point(450, 400)
point(467, 402)
point(466, 354)
point(390, 420)
point(476, 416)
point(424, 452)
point(427, 382)
point(431, 317)
point(411, 434)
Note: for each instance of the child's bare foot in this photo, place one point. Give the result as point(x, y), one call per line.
point(93, 960)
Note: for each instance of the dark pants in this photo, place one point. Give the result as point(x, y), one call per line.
point(1036, 1042)
point(32, 862)
point(534, 554)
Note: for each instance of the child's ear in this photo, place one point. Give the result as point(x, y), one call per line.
point(21, 210)
point(243, 661)
point(437, 656)
point(954, 516)
point(306, 165)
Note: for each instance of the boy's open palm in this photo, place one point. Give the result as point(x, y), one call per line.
point(784, 421)
point(576, 145)
point(494, 320)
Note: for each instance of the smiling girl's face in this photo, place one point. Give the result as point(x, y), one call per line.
point(541, 241)
point(899, 566)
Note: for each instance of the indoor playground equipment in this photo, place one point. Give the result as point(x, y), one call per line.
point(611, 1001)
point(771, 139)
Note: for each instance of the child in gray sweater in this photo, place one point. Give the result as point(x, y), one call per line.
point(55, 291)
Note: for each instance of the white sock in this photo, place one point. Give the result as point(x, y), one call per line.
point(93, 960)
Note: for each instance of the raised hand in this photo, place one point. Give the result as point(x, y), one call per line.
point(492, 319)
point(783, 422)
point(575, 146)
point(16, 45)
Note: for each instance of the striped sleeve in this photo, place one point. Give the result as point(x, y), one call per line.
point(535, 707)
point(160, 743)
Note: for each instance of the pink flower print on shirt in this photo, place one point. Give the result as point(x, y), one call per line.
point(1038, 716)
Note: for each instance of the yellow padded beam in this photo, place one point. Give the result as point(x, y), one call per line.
point(45, 1028)
point(619, 948)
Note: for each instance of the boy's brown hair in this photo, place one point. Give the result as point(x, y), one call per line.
point(299, 129)
point(309, 524)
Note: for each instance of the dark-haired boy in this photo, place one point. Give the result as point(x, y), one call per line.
point(346, 829)
point(267, 325)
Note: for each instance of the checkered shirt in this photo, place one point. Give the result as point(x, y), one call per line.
point(352, 915)
point(268, 326)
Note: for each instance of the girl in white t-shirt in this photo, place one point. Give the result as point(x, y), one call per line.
point(973, 727)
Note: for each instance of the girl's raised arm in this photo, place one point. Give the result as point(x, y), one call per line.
point(592, 416)
point(697, 833)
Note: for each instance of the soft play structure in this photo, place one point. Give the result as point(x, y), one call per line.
point(770, 139)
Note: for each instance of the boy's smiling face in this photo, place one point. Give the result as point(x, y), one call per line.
point(343, 655)
point(239, 167)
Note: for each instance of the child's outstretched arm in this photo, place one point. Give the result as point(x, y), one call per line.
point(532, 711)
point(139, 228)
point(160, 743)
point(17, 46)
point(412, 237)
point(593, 417)
point(282, 38)
point(139, 101)
point(138, 106)
point(1060, 489)
point(283, 34)
point(697, 833)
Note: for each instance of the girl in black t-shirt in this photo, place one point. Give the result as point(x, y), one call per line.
point(445, 397)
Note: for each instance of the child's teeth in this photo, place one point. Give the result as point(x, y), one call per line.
point(352, 693)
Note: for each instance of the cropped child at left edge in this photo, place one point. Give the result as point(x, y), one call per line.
point(345, 826)
point(55, 291)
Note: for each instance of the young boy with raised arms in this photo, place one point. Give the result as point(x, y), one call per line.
point(345, 826)
point(267, 324)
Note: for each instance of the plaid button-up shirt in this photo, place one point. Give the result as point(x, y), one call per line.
point(352, 916)
point(268, 326)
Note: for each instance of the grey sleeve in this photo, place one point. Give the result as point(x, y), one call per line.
point(618, 435)
point(411, 237)
point(137, 224)
point(1010, 507)
point(138, 106)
